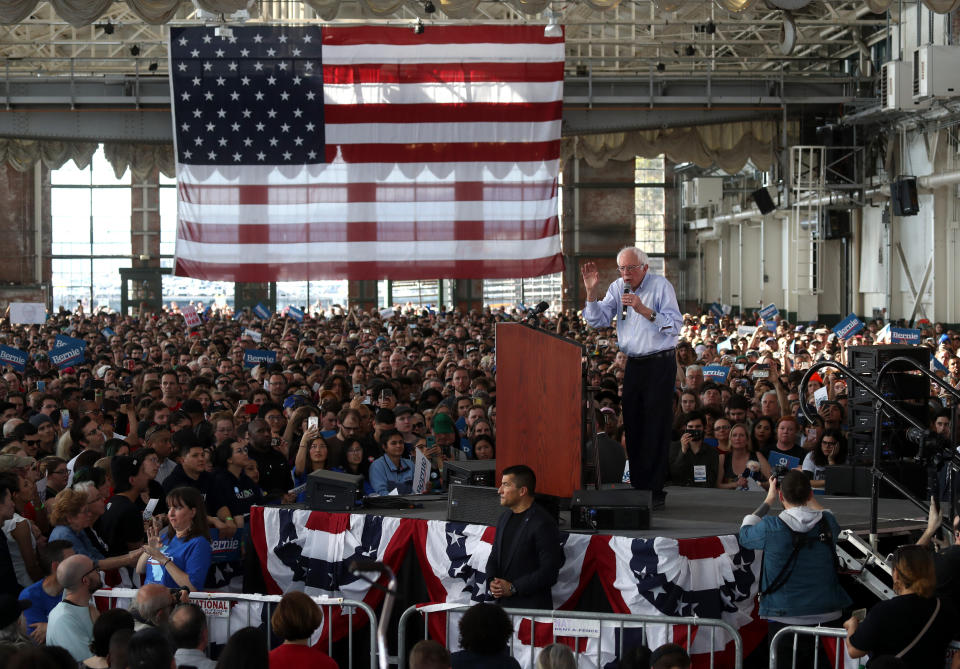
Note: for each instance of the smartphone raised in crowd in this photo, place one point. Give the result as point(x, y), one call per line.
point(312, 422)
point(64, 418)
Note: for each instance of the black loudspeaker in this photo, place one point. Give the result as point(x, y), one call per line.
point(470, 472)
point(473, 504)
point(836, 224)
point(333, 491)
point(903, 196)
point(615, 509)
point(850, 480)
point(763, 200)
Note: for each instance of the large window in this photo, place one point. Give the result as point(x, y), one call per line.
point(649, 208)
point(90, 212)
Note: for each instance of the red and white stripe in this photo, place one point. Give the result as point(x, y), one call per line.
point(442, 161)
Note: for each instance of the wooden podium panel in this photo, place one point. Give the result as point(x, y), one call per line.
point(540, 406)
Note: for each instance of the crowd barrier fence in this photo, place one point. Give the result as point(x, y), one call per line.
point(618, 621)
point(221, 614)
point(838, 633)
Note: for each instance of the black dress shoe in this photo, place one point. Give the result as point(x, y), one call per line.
point(659, 500)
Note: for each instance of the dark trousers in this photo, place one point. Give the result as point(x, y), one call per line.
point(648, 418)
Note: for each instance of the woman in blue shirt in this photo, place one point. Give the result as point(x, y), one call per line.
point(181, 558)
point(391, 471)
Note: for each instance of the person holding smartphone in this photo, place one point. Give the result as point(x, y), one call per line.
point(693, 463)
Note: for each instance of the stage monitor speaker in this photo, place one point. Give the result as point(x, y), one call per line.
point(470, 472)
point(613, 509)
point(903, 196)
point(473, 504)
point(333, 491)
point(764, 202)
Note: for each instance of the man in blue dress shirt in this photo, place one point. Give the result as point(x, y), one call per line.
point(648, 323)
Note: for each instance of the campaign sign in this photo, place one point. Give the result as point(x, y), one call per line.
point(717, 373)
point(254, 356)
point(226, 550)
point(776, 458)
point(66, 356)
point(904, 336)
point(848, 327)
point(421, 473)
point(261, 311)
point(28, 313)
point(295, 314)
point(769, 312)
point(725, 345)
point(937, 366)
point(190, 315)
point(107, 332)
point(13, 357)
point(746, 330)
point(716, 310)
point(63, 341)
point(253, 334)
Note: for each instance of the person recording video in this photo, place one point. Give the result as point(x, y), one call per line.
point(693, 463)
point(798, 582)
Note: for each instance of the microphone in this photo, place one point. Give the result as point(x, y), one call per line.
point(540, 308)
point(626, 291)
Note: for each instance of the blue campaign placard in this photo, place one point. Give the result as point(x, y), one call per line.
point(295, 314)
point(776, 458)
point(937, 366)
point(63, 341)
point(254, 356)
point(848, 327)
point(904, 336)
point(66, 356)
point(716, 310)
point(13, 357)
point(716, 373)
point(261, 311)
point(107, 332)
point(769, 312)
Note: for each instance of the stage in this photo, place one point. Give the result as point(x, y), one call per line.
point(688, 563)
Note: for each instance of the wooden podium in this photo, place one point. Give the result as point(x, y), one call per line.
point(540, 406)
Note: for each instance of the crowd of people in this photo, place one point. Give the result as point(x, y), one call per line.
point(138, 464)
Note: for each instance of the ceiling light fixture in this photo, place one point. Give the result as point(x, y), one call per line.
point(418, 27)
point(107, 28)
point(552, 29)
point(153, 66)
point(135, 50)
point(690, 50)
point(429, 7)
point(661, 67)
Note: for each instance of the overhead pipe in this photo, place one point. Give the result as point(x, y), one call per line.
point(928, 182)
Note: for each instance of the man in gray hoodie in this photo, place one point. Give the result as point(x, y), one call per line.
point(798, 583)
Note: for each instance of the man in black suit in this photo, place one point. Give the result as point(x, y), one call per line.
point(525, 559)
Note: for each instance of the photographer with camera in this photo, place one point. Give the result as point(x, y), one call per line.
point(693, 463)
point(798, 581)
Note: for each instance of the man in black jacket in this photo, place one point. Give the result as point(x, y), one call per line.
point(525, 559)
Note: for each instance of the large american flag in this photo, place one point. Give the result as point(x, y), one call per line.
point(711, 577)
point(367, 152)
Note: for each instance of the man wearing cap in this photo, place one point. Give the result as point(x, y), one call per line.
point(648, 335)
point(448, 439)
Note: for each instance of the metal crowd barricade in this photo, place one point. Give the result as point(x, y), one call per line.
point(621, 621)
point(838, 632)
point(801, 630)
point(327, 604)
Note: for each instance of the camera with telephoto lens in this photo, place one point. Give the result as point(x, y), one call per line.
point(780, 471)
